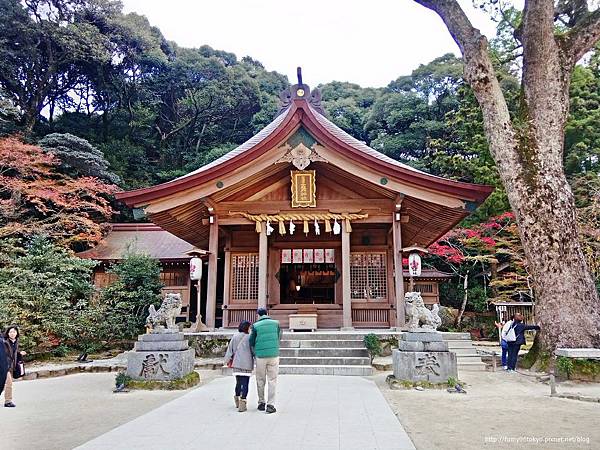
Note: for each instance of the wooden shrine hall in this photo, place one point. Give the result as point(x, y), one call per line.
point(304, 218)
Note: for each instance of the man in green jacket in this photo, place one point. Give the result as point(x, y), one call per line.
point(264, 341)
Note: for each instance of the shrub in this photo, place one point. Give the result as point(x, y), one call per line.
point(127, 299)
point(373, 344)
point(61, 351)
point(565, 365)
point(46, 291)
point(122, 379)
point(452, 381)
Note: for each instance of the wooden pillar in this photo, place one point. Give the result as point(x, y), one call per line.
point(211, 285)
point(226, 282)
point(398, 275)
point(263, 249)
point(346, 294)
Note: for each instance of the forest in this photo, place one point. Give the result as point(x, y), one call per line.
point(93, 100)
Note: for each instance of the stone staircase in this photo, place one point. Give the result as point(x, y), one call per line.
point(467, 357)
point(343, 353)
point(323, 353)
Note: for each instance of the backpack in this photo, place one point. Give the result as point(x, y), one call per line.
point(510, 335)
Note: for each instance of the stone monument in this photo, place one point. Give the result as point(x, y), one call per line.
point(163, 354)
point(422, 354)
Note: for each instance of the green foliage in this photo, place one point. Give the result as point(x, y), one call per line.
point(78, 157)
point(46, 291)
point(373, 345)
point(451, 382)
point(582, 131)
point(406, 384)
point(186, 382)
point(565, 365)
point(127, 299)
point(586, 369)
point(122, 379)
point(61, 351)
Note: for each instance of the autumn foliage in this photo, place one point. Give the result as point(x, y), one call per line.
point(36, 199)
point(491, 253)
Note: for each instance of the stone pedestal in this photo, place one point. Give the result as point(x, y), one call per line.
point(160, 356)
point(423, 356)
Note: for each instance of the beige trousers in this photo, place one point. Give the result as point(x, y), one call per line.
point(8, 389)
point(266, 371)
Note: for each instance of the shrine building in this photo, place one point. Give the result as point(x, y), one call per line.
point(303, 217)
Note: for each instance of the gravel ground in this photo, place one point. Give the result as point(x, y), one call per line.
point(500, 410)
point(64, 412)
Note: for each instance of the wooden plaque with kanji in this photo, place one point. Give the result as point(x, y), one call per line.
point(304, 189)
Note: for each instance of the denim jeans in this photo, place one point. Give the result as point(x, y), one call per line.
point(513, 354)
point(504, 352)
point(241, 385)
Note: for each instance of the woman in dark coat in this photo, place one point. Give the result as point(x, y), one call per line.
point(513, 347)
point(13, 358)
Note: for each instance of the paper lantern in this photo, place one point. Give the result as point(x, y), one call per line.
point(414, 265)
point(195, 269)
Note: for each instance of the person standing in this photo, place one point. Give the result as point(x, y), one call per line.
point(13, 357)
point(264, 341)
point(239, 357)
point(3, 364)
point(514, 334)
point(503, 343)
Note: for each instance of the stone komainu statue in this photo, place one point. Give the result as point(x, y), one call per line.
point(168, 311)
point(419, 316)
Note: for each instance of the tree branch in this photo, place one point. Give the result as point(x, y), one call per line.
point(459, 25)
point(581, 38)
point(481, 76)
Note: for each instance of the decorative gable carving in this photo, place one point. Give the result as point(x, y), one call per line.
point(301, 155)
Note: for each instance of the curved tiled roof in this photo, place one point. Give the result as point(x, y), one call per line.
point(147, 239)
point(301, 112)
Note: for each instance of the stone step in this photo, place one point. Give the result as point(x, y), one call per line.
point(317, 336)
point(471, 366)
point(460, 344)
point(449, 336)
point(339, 352)
point(463, 351)
point(326, 370)
point(468, 356)
point(332, 360)
point(326, 343)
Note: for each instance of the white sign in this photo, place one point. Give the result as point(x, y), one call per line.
point(414, 265)
point(286, 256)
point(195, 269)
point(329, 255)
point(319, 255)
point(297, 255)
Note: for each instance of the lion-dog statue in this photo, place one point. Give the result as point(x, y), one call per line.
point(419, 316)
point(168, 311)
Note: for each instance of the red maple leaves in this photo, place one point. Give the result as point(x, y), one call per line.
point(35, 198)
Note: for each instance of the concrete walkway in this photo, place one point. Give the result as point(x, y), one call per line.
point(314, 412)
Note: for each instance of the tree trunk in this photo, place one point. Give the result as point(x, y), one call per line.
point(528, 151)
point(464, 302)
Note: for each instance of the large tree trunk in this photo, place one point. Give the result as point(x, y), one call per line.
point(528, 151)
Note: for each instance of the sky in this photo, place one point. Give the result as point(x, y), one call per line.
point(368, 42)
